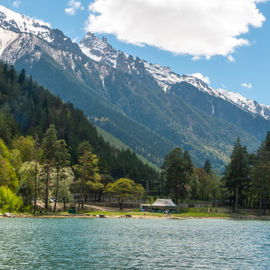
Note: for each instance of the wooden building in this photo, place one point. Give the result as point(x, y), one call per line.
point(160, 206)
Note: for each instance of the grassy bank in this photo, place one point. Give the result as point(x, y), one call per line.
point(184, 213)
point(135, 213)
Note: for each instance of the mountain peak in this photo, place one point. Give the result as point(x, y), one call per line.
point(101, 51)
point(98, 49)
point(19, 23)
point(15, 25)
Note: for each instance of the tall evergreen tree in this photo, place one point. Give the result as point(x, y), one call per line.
point(236, 175)
point(207, 166)
point(188, 163)
point(12, 74)
point(261, 173)
point(88, 172)
point(177, 168)
point(21, 78)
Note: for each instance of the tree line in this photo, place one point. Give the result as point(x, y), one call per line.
point(31, 171)
point(29, 109)
point(43, 142)
point(48, 149)
point(247, 176)
point(245, 181)
point(183, 181)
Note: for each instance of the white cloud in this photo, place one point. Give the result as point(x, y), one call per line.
point(247, 85)
point(195, 58)
point(231, 59)
point(200, 28)
point(73, 7)
point(201, 77)
point(16, 4)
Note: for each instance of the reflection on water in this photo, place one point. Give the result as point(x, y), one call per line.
point(133, 244)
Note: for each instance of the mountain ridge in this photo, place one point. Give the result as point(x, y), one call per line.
point(126, 100)
point(100, 51)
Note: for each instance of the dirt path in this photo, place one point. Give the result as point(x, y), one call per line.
point(99, 208)
point(106, 208)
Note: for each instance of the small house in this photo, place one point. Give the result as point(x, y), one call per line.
point(160, 205)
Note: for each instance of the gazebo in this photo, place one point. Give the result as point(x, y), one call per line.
point(160, 205)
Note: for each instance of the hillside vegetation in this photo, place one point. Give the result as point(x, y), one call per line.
point(28, 109)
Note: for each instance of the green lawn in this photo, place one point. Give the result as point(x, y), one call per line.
point(190, 212)
point(202, 212)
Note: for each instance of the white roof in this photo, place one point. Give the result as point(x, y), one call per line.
point(163, 202)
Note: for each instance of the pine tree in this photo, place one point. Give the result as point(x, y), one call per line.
point(237, 172)
point(21, 78)
point(261, 173)
point(88, 172)
point(188, 163)
point(12, 74)
point(177, 168)
point(207, 166)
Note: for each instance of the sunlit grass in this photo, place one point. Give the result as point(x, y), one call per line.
point(189, 212)
point(199, 212)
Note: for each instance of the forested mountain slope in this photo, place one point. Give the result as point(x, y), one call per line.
point(27, 108)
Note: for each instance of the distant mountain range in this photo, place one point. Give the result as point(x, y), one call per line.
point(148, 107)
point(102, 52)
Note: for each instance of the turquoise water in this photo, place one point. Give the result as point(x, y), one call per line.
point(133, 244)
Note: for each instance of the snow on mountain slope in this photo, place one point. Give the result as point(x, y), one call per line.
point(14, 27)
point(36, 36)
point(6, 38)
point(100, 51)
point(246, 104)
point(164, 76)
point(16, 22)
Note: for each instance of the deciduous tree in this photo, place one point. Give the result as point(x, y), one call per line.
point(61, 161)
point(124, 188)
point(49, 145)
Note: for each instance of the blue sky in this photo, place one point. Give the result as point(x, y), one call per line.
point(226, 41)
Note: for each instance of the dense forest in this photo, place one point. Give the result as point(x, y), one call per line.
point(42, 137)
point(244, 183)
point(49, 149)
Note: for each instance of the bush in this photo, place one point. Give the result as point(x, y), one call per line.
point(9, 202)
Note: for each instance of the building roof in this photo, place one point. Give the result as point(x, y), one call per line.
point(163, 202)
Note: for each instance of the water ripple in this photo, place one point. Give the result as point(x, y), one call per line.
point(133, 244)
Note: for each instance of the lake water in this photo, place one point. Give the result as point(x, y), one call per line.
point(77, 243)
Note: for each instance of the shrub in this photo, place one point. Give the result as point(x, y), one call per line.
point(9, 202)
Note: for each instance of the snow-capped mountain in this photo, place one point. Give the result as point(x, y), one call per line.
point(19, 23)
point(147, 106)
point(15, 25)
point(246, 104)
point(17, 29)
point(100, 51)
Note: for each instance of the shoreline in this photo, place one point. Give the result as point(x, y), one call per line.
point(263, 218)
